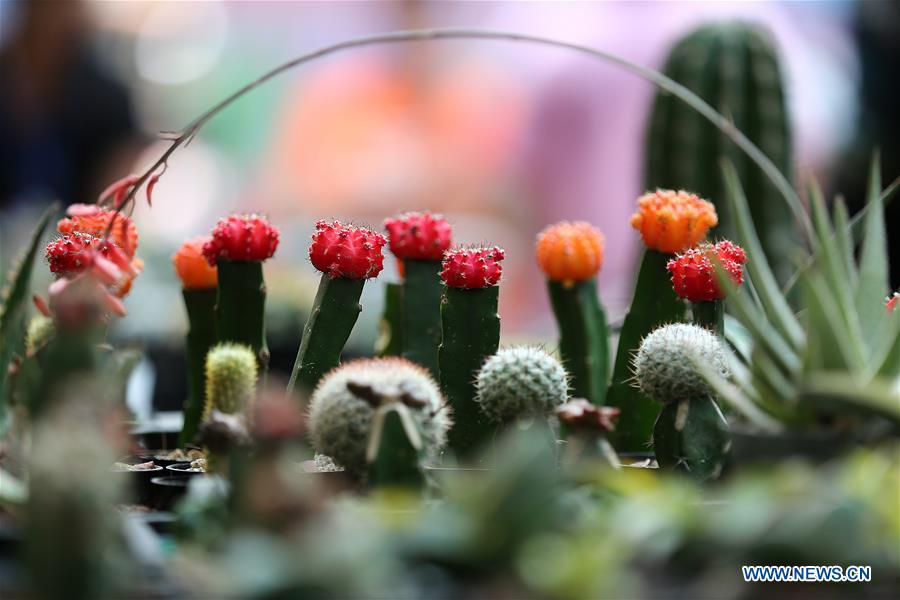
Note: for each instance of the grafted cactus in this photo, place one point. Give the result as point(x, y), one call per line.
point(690, 433)
point(520, 382)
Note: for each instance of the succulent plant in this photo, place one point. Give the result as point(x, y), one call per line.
point(669, 221)
point(347, 256)
point(345, 403)
point(570, 255)
point(238, 246)
point(199, 281)
point(694, 279)
point(231, 373)
point(419, 240)
point(520, 382)
point(470, 328)
point(690, 433)
point(735, 68)
point(664, 367)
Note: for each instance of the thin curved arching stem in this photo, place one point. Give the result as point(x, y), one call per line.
point(658, 79)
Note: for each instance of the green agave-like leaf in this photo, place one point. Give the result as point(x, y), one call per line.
point(873, 265)
point(886, 357)
point(857, 223)
point(827, 346)
point(880, 396)
point(15, 304)
point(828, 259)
point(774, 303)
point(844, 240)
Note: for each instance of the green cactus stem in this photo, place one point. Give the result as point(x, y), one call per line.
point(241, 307)
point(421, 323)
point(330, 322)
point(654, 304)
point(471, 333)
point(390, 339)
point(395, 450)
point(692, 436)
point(735, 68)
point(583, 337)
point(709, 314)
point(201, 336)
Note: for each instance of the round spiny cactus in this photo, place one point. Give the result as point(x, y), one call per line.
point(230, 379)
point(343, 404)
point(522, 381)
point(664, 366)
point(40, 330)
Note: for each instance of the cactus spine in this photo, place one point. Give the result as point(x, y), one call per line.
point(231, 374)
point(471, 333)
point(334, 313)
point(241, 307)
point(690, 433)
point(734, 67)
point(421, 324)
point(201, 336)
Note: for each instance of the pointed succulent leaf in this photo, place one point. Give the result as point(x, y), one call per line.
point(873, 265)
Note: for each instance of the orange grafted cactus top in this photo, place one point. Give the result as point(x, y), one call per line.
point(570, 252)
point(192, 267)
point(671, 221)
point(93, 220)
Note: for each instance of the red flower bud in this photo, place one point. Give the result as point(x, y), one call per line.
point(241, 238)
point(472, 268)
point(893, 301)
point(418, 236)
point(347, 251)
point(694, 275)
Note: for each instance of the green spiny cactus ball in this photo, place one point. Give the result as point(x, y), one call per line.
point(230, 379)
point(522, 381)
point(344, 401)
point(40, 330)
point(664, 369)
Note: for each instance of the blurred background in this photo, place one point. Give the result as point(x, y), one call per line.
point(502, 138)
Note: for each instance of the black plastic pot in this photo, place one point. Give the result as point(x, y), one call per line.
point(183, 469)
point(138, 482)
point(752, 447)
point(157, 457)
point(168, 490)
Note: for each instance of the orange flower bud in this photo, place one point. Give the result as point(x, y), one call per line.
point(192, 268)
point(672, 221)
point(570, 252)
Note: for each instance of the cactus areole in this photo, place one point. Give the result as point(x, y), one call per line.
point(238, 246)
point(346, 255)
point(419, 241)
point(570, 255)
point(470, 334)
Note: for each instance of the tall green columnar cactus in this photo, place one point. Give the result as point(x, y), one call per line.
point(735, 68)
point(198, 282)
point(668, 222)
point(239, 245)
point(690, 434)
point(231, 375)
point(570, 255)
point(419, 241)
point(471, 333)
point(347, 256)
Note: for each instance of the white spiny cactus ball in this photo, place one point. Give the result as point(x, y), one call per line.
point(522, 381)
point(663, 367)
point(341, 409)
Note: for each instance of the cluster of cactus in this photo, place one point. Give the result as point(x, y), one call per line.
point(690, 433)
point(381, 419)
